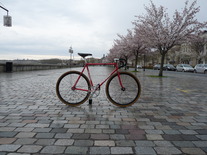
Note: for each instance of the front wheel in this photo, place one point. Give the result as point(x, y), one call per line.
point(127, 95)
point(69, 94)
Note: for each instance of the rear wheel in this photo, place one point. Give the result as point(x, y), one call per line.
point(126, 96)
point(69, 95)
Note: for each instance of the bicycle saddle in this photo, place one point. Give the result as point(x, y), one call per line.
point(84, 54)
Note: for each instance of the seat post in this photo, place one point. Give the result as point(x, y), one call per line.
point(84, 58)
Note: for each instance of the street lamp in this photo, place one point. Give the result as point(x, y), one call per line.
point(7, 18)
point(71, 52)
point(144, 62)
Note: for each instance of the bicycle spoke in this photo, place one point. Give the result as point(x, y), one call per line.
point(72, 96)
point(128, 95)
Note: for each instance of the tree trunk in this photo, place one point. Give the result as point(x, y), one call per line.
point(162, 63)
point(136, 60)
point(126, 67)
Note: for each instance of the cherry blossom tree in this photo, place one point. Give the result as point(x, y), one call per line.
point(138, 46)
point(112, 54)
point(160, 32)
point(123, 47)
point(129, 46)
point(198, 43)
point(120, 49)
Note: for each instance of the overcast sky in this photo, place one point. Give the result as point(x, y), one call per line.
point(47, 28)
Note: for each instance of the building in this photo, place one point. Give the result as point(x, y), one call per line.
point(184, 53)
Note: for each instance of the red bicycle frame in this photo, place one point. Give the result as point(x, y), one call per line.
point(89, 75)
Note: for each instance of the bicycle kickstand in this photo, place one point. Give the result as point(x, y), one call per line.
point(97, 88)
point(90, 101)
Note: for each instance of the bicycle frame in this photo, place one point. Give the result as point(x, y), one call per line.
point(121, 88)
point(86, 67)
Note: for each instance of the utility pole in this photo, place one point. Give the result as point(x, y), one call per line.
point(7, 18)
point(71, 52)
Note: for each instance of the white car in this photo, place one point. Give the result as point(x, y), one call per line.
point(201, 68)
point(139, 67)
point(184, 68)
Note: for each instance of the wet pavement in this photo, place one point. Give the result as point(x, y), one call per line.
point(169, 118)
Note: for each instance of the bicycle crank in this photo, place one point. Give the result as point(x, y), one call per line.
point(95, 91)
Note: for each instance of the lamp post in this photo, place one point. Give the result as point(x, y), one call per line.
point(71, 52)
point(144, 62)
point(7, 18)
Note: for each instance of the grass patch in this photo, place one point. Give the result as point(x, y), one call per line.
point(135, 71)
point(156, 76)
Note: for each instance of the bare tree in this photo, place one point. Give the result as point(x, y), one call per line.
point(163, 33)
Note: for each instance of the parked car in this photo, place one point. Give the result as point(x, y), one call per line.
point(156, 67)
point(169, 67)
point(184, 68)
point(201, 68)
point(139, 67)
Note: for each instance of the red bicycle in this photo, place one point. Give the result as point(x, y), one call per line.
point(122, 88)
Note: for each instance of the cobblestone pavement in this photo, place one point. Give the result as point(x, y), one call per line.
point(169, 118)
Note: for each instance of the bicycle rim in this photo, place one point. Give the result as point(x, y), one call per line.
point(120, 97)
point(65, 92)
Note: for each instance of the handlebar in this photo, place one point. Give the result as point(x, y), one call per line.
point(121, 62)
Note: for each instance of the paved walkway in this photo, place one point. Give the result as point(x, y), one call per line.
point(169, 118)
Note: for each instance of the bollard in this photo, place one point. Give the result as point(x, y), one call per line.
point(9, 67)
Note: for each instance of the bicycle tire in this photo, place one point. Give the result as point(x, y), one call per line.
point(120, 97)
point(65, 92)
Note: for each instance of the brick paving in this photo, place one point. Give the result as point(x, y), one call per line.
point(169, 118)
